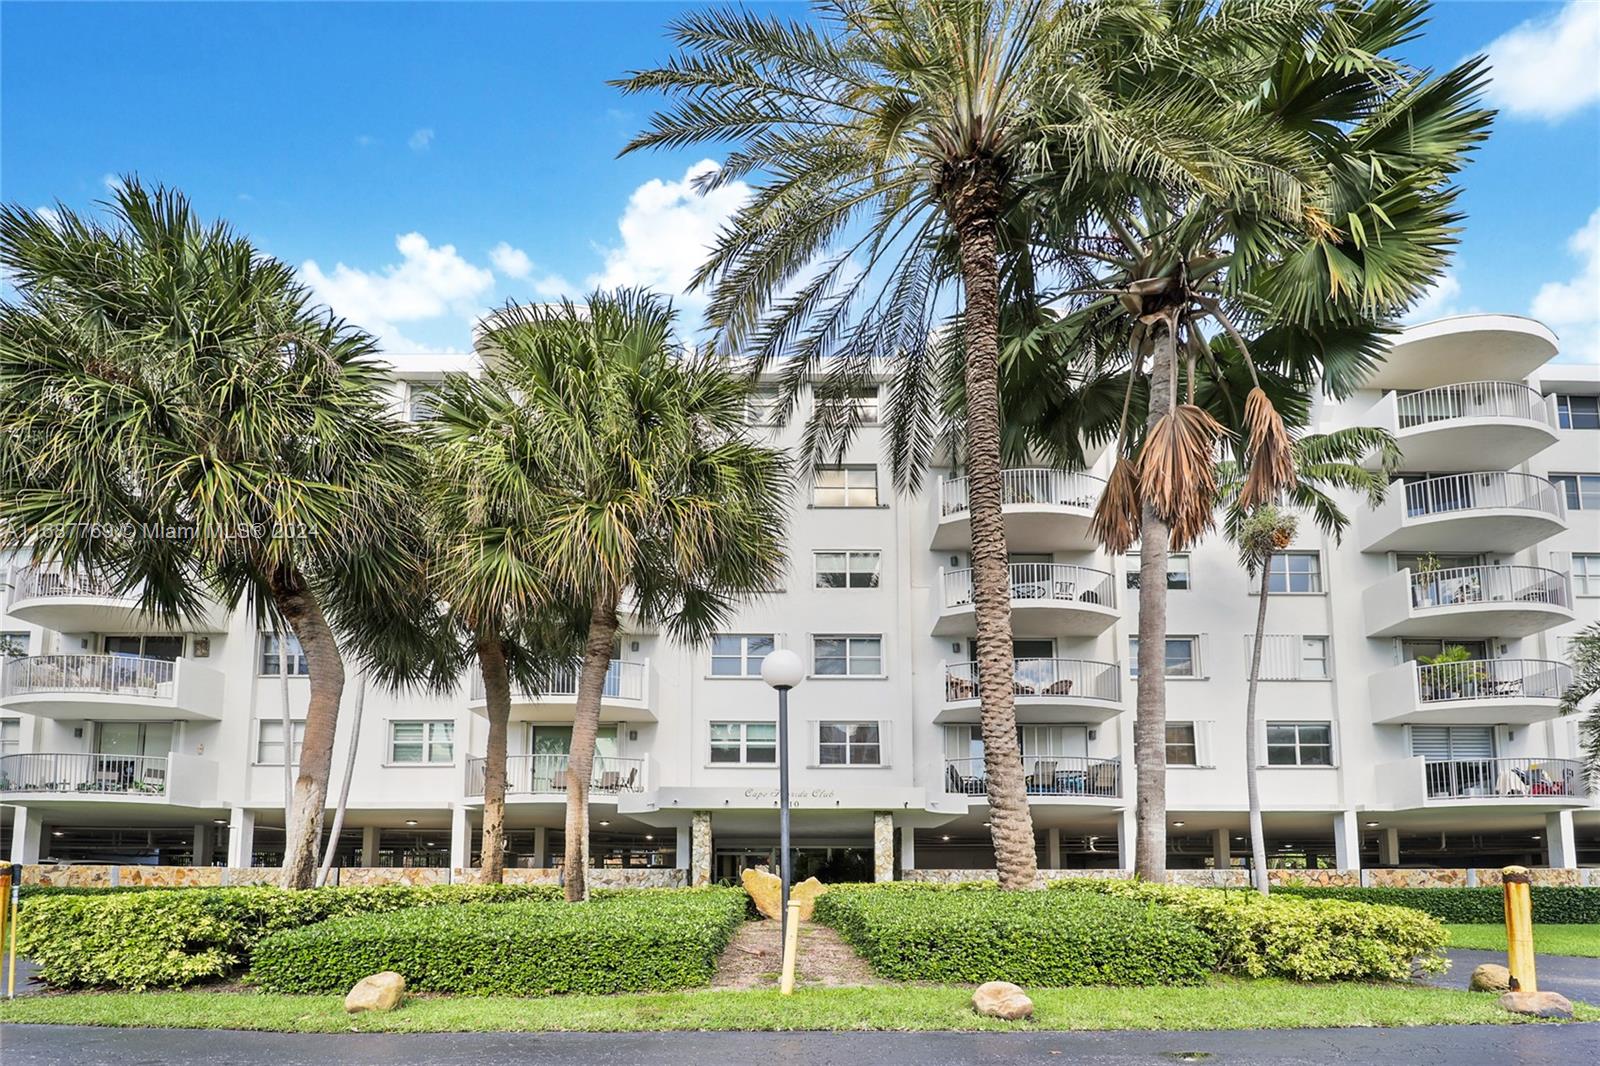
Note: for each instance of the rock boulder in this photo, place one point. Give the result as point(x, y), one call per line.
point(767, 892)
point(1490, 977)
point(1001, 999)
point(381, 992)
point(1537, 1004)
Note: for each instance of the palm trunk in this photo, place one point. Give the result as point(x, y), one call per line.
point(1150, 721)
point(1258, 839)
point(325, 665)
point(497, 703)
point(344, 786)
point(974, 205)
point(580, 757)
point(288, 724)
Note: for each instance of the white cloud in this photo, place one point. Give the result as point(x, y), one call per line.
point(111, 182)
point(1572, 308)
point(51, 216)
point(428, 283)
point(1438, 302)
point(1548, 67)
point(420, 140)
point(512, 262)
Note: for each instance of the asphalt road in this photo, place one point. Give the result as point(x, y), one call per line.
point(26, 1045)
point(1576, 978)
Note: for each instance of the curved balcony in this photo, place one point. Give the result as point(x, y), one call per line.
point(1521, 782)
point(546, 775)
point(1465, 348)
point(1475, 692)
point(111, 688)
point(1467, 426)
point(82, 774)
point(1046, 690)
point(1487, 511)
point(1067, 777)
point(1469, 601)
point(1047, 600)
point(625, 697)
point(1043, 509)
point(69, 602)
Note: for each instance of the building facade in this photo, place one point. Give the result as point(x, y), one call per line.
point(1409, 701)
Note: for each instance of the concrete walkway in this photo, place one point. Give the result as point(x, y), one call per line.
point(1576, 978)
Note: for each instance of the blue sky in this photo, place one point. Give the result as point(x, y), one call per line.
point(420, 163)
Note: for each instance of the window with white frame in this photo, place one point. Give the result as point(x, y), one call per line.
point(1295, 572)
point(1299, 744)
point(1178, 578)
point(744, 743)
point(269, 741)
point(1182, 658)
point(842, 655)
point(1578, 412)
point(847, 569)
point(862, 399)
point(269, 656)
point(10, 735)
point(1290, 656)
point(1586, 574)
point(739, 654)
point(1183, 748)
point(849, 744)
point(845, 486)
point(1581, 491)
point(422, 742)
point(14, 644)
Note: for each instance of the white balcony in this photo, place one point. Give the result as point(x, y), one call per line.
point(1045, 690)
point(1465, 348)
point(87, 777)
point(111, 688)
point(1047, 600)
point(1063, 777)
point(1415, 783)
point(1469, 601)
point(625, 697)
point(1496, 424)
point(80, 603)
point(1488, 511)
point(546, 776)
point(1476, 692)
point(1043, 509)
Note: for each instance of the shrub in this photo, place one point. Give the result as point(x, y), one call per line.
point(174, 936)
point(1302, 939)
point(1032, 938)
point(649, 941)
point(1471, 906)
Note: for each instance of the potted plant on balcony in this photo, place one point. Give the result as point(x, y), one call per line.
point(1425, 582)
point(1455, 680)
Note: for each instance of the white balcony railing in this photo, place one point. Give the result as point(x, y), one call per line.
point(1040, 583)
point(624, 681)
point(1465, 585)
point(547, 774)
point(1044, 775)
point(84, 773)
point(1486, 490)
point(1492, 679)
point(43, 583)
point(1082, 679)
point(1530, 778)
point(1473, 399)
point(1024, 485)
point(107, 675)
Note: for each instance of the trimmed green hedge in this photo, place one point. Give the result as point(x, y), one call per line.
point(654, 940)
point(1285, 936)
point(1031, 938)
point(171, 937)
point(1470, 906)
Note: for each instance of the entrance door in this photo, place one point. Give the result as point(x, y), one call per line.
point(131, 752)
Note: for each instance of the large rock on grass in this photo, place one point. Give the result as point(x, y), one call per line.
point(381, 992)
point(1537, 1004)
point(1001, 999)
point(1490, 977)
point(767, 892)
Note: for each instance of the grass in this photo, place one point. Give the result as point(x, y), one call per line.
point(1222, 1004)
point(1581, 940)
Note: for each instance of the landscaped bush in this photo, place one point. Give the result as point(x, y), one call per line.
point(1470, 906)
point(1031, 938)
point(1284, 936)
point(170, 937)
point(647, 940)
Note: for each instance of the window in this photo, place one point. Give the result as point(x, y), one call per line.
point(1299, 744)
point(1177, 570)
point(863, 399)
point(420, 402)
point(848, 744)
point(763, 405)
point(14, 645)
point(1182, 656)
point(739, 654)
point(1314, 658)
point(422, 742)
point(166, 648)
point(744, 742)
point(1578, 412)
point(1295, 572)
point(10, 735)
point(845, 486)
point(1586, 574)
point(844, 656)
point(1582, 491)
point(1289, 656)
point(269, 741)
point(269, 656)
point(847, 569)
point(1182, 749)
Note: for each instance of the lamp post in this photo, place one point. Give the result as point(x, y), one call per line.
point(783, 670)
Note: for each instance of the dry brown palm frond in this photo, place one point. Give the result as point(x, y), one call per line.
point(1116, 517)
point(1268, 452)
point(1177, 471)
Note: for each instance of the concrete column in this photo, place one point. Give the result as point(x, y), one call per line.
point(1558, 837)
point(1052, 848)
point(27, 830)
point(369, 845)
point(1346, 841)
point(1221, 851)
point(241, 837)
point(700, 849)
point(882, 846)
point(460, 838)
point(201, 844)
point(1389, 847)
point(908, 848)
point(1127, 828)
point(541, 846)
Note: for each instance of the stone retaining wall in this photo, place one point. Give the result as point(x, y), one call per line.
point(96, 876)
point(1239, 878)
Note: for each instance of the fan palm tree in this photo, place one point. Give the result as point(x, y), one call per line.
point(634, 477)
point(181, 420)
point(1579, 697)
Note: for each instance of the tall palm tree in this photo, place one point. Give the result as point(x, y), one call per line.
point(182, 420)
point(1323, 462)
point(635, 479)
point(1579, 697)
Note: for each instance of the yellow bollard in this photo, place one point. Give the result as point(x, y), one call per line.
point(1519, 928)
point(13, 883)
point(791, 946)
point(5, 912)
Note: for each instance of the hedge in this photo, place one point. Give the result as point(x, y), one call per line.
point(1470, 906)
point(171, 937)
point(656, 940)
point(1031, 938)
point(1302, 939)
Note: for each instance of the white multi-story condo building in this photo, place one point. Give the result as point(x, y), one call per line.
point(121, 741)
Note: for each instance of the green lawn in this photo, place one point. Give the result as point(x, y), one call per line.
point(1224, 1004)
point(1547, 939)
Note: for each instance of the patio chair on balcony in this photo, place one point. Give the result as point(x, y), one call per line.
point(1043, 778)
point(959, 688)
point(1059, 688)
point(1510, 782)
point(610, 781)
point(1102, 779)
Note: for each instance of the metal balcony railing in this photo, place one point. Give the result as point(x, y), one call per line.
point(1464, 585)
point(36, 582)
point(1045, 775)
point(1472, 399)
point(1062, 488)
point(1078, 678)
point(624, 681)
point(546, 774)
point(1040, 583)
point(1492, 679)
point(1520, 778)
point(84, 773)
point(1452, 493)
point(109, 675)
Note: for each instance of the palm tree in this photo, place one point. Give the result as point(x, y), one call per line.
point(634, 478)
point(180, 419)
point(1579, 696)
point(1323, 462)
